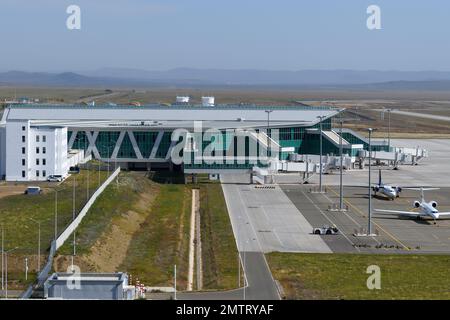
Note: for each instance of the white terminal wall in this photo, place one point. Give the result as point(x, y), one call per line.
point(55, 155)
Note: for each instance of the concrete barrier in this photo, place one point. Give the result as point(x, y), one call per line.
point(55, 245)
point(71, 228)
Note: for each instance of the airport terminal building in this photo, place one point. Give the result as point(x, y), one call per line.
point(37, 140)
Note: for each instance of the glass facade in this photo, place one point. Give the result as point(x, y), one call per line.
point(292, 137)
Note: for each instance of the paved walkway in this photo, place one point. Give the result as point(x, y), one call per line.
point(261, 285)
point(266, 220)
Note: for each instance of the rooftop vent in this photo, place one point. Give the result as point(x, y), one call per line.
point(182, 99)
point(208, 101)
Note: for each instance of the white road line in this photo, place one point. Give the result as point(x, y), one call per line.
point(320, 210)
point(354, 221)
point(251, 224)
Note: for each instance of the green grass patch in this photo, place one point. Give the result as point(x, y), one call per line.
point(219, 252)
point(343, 276)
point(162, 240)
point(16, 211)
point(115, 200)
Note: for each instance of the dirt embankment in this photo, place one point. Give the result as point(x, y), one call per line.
point(110, 250)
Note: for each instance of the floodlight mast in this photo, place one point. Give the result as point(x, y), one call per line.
point(369, 229)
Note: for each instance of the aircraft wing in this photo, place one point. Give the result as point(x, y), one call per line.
point(444, 213)
point(400, 213)
point(361, 186)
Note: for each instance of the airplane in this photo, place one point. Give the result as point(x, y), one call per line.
point(391, 192)
point(426, 209)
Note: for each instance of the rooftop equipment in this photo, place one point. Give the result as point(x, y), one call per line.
point(208, 101)
point(182, 99)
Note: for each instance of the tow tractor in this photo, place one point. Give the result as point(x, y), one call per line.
point(326, 230)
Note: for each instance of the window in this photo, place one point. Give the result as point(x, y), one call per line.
point(23, 128)
point(37, 149)
point(37, 162)
point(37, 138)
point(37, 173)
point(298, 132)
point(23, 174)
point(44, 150)
point(285, 134)
point(23, 162)
point(44, 138)
point(44, 162)
point(23, 138)
point(23, 150)
point(44, 173)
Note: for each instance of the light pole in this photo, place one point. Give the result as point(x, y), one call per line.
point(56, 214)
point(175, 282)
point(108, 161)
point(369, 229)
point(87, 184)
point(389, 129)
point(99, 172)
point(320, 161)
point(3, 258)
point(341, 186)
point(73, 219)
point(267, 130)
point(39, 244)
point(6, 270)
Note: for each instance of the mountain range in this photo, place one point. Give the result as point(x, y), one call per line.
point(123, 77)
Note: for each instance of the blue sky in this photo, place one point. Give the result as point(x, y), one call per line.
point(225, 34)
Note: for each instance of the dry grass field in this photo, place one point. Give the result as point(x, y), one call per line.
point(360, 104)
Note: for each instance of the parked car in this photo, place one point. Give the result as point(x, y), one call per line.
point(55, 178)
point(326, 230)
point(33, 190)
point(75, 169)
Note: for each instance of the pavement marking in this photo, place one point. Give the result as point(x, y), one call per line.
point(357, 209)
point(249, 220)
point(320, 210)
point(346, 214)
point(271, 275)
point(274, 229)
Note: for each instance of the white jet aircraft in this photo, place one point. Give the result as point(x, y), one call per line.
point(426, 209)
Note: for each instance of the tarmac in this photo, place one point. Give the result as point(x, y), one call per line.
point(264, 219)
point(430, 171)
point(281, 217)
point(396, 234)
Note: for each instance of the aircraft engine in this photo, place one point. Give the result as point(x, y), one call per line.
point(416, 204)
point(434, 204)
